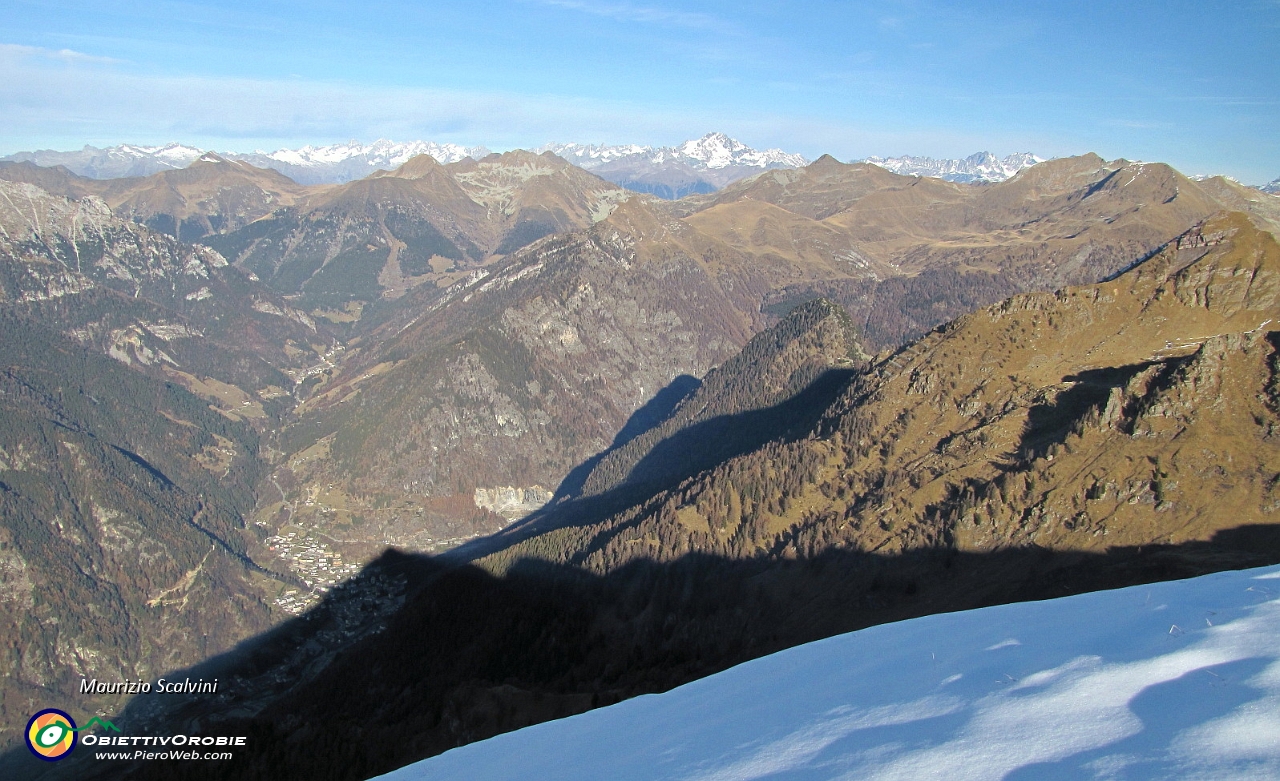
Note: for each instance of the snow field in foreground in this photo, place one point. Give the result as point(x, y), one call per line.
point(1169, 680)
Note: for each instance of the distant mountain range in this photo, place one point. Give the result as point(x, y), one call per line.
point(978, 167)
point(703, 165)
point(331, 164)
point(697, 166)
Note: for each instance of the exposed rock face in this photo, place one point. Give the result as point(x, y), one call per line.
point(524, 369)
point(150, 300)
point(210, 195)
point(516, 316)
point(375, 238)
point(510, 502)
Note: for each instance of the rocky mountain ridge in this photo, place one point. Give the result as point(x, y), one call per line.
point(210, 195)
point(148, 300)
point(423, 223)
point(469, 383)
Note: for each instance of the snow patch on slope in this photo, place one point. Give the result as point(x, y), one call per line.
point(1170, 680)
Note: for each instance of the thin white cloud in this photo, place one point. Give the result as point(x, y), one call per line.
point(10, 51)
point(50, 100)
point(1137, 124)
point(625, 12)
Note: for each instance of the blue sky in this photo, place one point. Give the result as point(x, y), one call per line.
point(1193, 84)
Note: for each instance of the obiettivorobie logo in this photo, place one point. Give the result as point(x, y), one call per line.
point(51, 733)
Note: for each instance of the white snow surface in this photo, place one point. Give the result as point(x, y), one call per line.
point(590, 156)
point(1176, 680)
point(978, 167)
point(712, 151)
point(381, 153)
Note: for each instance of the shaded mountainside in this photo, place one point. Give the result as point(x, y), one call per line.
point(1149, 420)
point(771, 388)
point(517, 331)
point(122, 539)
point(1053, 689)
point(975, 466)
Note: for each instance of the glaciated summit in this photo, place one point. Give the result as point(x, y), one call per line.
point(352, 160)
point(716, 150)
point(978, 167)
point(702, 165)
point(713, 151)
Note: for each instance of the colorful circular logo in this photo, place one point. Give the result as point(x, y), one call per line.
point(51, 734)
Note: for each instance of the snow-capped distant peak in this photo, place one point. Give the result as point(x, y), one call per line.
point(381, 152)
point(978, 167)
point(178, 154)
point(712, 151)
point(116, 161)
point(353, 159)
point(724, 158)
point(716, 150)
point(591, 155)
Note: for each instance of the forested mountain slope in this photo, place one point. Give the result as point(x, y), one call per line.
point(122, 539)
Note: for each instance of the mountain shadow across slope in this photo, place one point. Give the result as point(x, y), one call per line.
point(973, 467)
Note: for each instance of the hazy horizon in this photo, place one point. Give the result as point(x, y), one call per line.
point(1187, 84)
